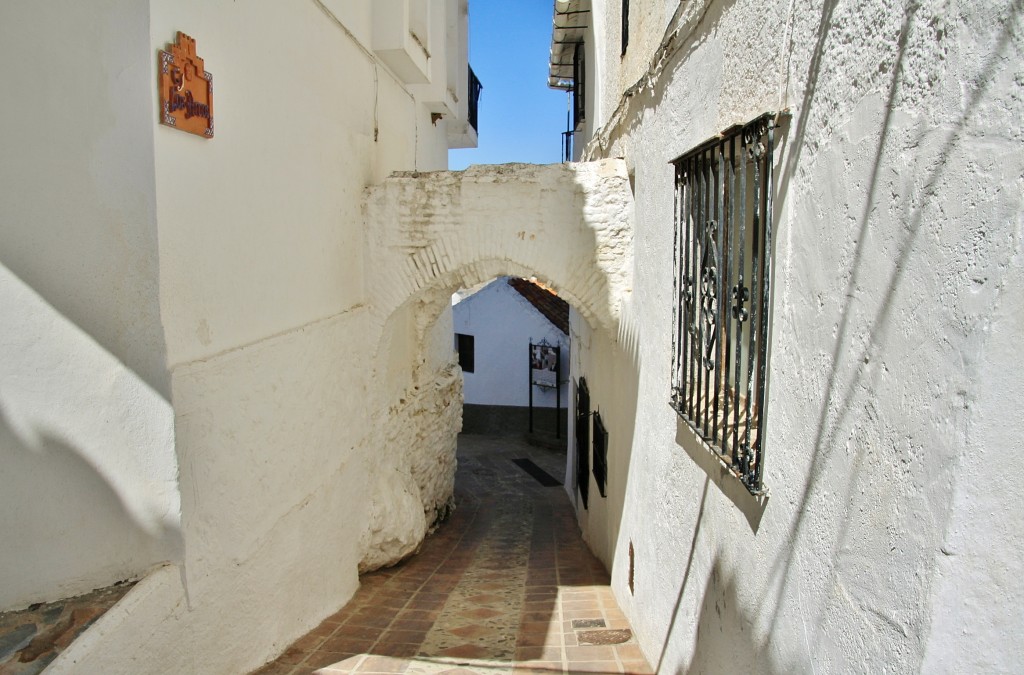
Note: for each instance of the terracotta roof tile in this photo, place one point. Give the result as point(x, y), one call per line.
point(547, 303)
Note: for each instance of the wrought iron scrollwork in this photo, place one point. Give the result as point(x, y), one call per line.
point(740, 295)
point(709, 295)
point(722, 277)
point(688, 298)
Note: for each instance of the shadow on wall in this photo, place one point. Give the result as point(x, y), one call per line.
point(78, 214)
point(71, 531)
point(724, 641)
point(850, 370)
point(686, 575)
point(691, 26)
point(613, 378)
point(862, 331)
point(751, 507)
point(723, 634)
point(88, 481)
point(853, 355)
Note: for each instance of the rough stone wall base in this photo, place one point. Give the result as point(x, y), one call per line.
point(413, 471)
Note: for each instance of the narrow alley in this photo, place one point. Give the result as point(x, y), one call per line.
point(505, 585)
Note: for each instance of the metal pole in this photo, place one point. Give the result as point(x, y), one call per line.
point(529, 375)
point(558, 392)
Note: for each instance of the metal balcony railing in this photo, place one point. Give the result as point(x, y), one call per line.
point(474, 99)
point(567, 137)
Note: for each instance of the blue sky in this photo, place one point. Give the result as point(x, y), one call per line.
point(521, 120)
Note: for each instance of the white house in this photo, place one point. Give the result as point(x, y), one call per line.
point(867, 521)
point(190, 377)
point(494, 329)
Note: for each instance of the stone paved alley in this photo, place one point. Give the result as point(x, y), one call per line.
point(505, 585)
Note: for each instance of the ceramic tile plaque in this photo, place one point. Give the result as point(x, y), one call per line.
point(186, 89)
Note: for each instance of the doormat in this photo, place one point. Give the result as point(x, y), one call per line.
point(604, 637)
point(542, 476)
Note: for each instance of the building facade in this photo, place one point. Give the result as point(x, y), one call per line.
point(870, 524)
point(190, 380)
point(495, 328)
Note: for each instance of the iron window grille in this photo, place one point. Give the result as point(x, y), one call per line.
point(579, 85)
point(600, 453)
point(723, 246)
point(583, 440)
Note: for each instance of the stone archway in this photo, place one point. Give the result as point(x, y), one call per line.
point(429, 234)
point(569, 223)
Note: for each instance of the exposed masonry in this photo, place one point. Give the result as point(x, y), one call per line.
point(413, 474)
point(430, 234)
point(568, 224)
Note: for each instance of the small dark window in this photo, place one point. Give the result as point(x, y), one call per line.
point(464, 345)
point(579, 85)
point(600, 453)
point(632, 566)
point(583, 440)
point(625, 26)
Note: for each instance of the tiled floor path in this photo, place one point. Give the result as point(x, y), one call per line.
point(506, 585)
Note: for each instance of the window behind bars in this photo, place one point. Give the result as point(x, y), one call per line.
point(579, 85)
point(723, 245)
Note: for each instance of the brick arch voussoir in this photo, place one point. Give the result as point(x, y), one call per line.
point(586, 290)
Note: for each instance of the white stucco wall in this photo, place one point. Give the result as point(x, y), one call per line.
point(503, 324)
point(609, 362)
point(83, 505)
point(889, 539)
point(88, 476)
point(284, 425)
point(229, 276)
point(430, 234)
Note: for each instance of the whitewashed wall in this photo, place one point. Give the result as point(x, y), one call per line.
point(279, 413)
point(609, 362)
point(88, 476)
point(503, 324)
point(144, 267)
point(889, 541)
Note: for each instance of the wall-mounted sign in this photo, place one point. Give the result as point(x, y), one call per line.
point(544, 365)
point(546, 372)
point(186, 89)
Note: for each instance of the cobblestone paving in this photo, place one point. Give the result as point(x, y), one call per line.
point(505, 586)
point(32, 638)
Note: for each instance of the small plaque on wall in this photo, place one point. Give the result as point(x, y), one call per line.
point(186, 89)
